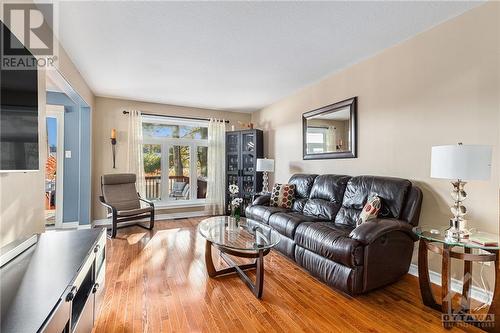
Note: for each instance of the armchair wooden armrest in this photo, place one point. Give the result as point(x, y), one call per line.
point(149, 202)
point(105, 204)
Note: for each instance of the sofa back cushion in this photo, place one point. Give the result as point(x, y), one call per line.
point(392, 192)
point(303, 184)
point(326, 196)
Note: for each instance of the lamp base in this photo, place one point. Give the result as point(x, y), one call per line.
point(265, 182)
point(458, 224)
point(457, 230)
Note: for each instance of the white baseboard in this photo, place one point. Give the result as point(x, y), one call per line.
point(477, 293)
point(158, 217)
point(75, 225)
point(70, 225)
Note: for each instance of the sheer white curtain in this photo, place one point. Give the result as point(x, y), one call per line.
point(216, 167)
point(331, 139)
point(135, 159)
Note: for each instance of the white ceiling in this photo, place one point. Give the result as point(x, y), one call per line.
point(238, 56)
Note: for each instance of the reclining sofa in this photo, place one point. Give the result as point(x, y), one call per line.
point(319, 231)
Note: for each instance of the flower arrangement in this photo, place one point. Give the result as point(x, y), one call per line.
point(233, 189)
point(235, 201)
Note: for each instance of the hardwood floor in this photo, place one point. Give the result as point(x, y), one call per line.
point(157, 282)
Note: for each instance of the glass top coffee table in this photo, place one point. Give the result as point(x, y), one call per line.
point(239, 240)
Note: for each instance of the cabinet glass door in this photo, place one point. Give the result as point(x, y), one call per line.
point(248, 163)
point(232, 142)
point(248, 142)
point(248, 184)
point(232, 163)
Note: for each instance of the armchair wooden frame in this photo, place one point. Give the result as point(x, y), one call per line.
point(118, 219)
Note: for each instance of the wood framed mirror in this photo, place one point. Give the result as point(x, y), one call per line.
point(330, 132)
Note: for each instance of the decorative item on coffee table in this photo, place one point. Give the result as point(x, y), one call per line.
point(235, 202)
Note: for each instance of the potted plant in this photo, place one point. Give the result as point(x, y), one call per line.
point(235, 202)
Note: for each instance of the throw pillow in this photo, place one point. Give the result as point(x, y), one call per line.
point(282, 195)
point(370, 210)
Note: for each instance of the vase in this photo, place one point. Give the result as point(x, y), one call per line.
point(236, 213)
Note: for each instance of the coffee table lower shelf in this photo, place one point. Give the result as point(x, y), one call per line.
point(257, 287)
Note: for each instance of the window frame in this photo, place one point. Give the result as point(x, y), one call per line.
point(165, 145)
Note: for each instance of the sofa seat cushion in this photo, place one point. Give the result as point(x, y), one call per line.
point(331, 241)
point(286, 223)
point(263, 213)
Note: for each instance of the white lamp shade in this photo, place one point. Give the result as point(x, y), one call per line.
point(264, 164)
point(464, 162)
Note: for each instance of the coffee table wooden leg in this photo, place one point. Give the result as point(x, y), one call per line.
point(208, 259)
point(423, 277)
point(495, 302)
point(259, 283)
point(257, 287)
point(446, 284)
point(465, 301)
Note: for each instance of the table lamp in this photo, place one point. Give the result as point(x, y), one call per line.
point(459, 163)
point(265, 165)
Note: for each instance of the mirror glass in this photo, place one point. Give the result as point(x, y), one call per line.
point(328, 132)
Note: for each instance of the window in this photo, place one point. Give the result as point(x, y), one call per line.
point(175, 159)
point(316, 139)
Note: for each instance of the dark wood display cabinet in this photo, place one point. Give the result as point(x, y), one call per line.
point(243, 148)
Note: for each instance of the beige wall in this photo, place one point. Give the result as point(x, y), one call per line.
point(440, 87)
point(108, 114)
point(22, 194)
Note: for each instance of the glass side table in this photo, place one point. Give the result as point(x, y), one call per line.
point(434, 239)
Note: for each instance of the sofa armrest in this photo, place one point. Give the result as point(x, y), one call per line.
point(369, 231)
point(262, 200)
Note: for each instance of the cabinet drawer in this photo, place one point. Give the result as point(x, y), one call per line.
point(86, 320)
point(99, 291)
point(100, 255)
point(59, 319)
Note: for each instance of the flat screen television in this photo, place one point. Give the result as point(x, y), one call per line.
point(18, 114)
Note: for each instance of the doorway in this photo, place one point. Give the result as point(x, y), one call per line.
point(54, 166)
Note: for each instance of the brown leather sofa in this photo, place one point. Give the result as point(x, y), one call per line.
point(319, 232)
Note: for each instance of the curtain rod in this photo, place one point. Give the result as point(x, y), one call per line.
point(166, 116)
